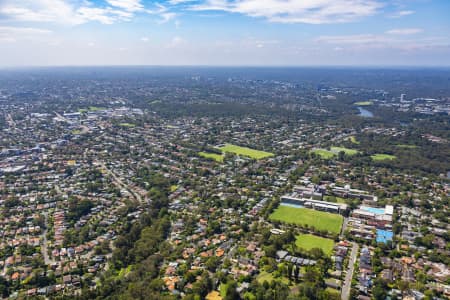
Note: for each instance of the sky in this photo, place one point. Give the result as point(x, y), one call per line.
point(225, 32)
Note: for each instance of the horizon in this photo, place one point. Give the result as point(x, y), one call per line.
point(343, 67)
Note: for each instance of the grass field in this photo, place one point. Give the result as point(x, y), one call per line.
point(95, 108)
point(364, 103)
point(127, 125)
point(379, 157)
point(90, 108)
point(323, 153)
point(354, 140)
point(223, 290)
point(407, 146)
point(265, 276)
point(338, 199)
point(216, 157)
point(333, 291)
point(309, 241)
point(252, 153)
point(304, 216)
point(346, 150)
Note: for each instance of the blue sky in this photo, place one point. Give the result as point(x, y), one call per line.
point(225, 32)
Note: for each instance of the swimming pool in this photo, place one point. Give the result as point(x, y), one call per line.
point(378, 211)
point(383, 236)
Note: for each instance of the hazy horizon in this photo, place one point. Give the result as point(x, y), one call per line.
point(375, 67)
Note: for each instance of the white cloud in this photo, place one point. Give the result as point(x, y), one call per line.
point(176, 2)
point(94, 14)
point(357, 39)
point(23, 30)
point(405, 31)
point(159, 9)
point(294, 11)
point(166, 17)
point(57, 11)
point(145, 39)
point(128, 5)
point(65, 12)
point(12, 34)
point(383, 41)
point(402, 13)
point(163, 12)
point(176, 42)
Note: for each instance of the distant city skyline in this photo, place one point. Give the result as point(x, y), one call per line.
point(225, 32)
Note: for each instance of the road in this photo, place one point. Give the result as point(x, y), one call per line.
point(44, 247)
point(10, 121)
point(345, 293)
point(61, 117)
point(119, 183)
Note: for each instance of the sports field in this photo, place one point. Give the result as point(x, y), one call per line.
point(304, 216)
point(323, 153)
point(216, 157)
point(129, 125)
point(379, 157)
point(364, 103)
point(96, 108)
point(347, 151)
point(309, 241)
point(252, 153)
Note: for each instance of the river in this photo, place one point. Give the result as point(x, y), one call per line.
point(365, 113)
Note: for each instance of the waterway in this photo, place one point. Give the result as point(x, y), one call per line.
point(365, 113)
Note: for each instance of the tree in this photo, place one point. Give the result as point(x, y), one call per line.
point(212, 263)
point(403, 286)
point(379, 290)
point(296, 272)
point(231, 293)
point(290, 268)
point(4, 287)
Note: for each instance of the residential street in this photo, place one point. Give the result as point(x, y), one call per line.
point(345, 293)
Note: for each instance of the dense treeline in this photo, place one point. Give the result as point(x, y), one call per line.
point(139, 251)
point(171, 110)
point(78, 208)
point(412, 151)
